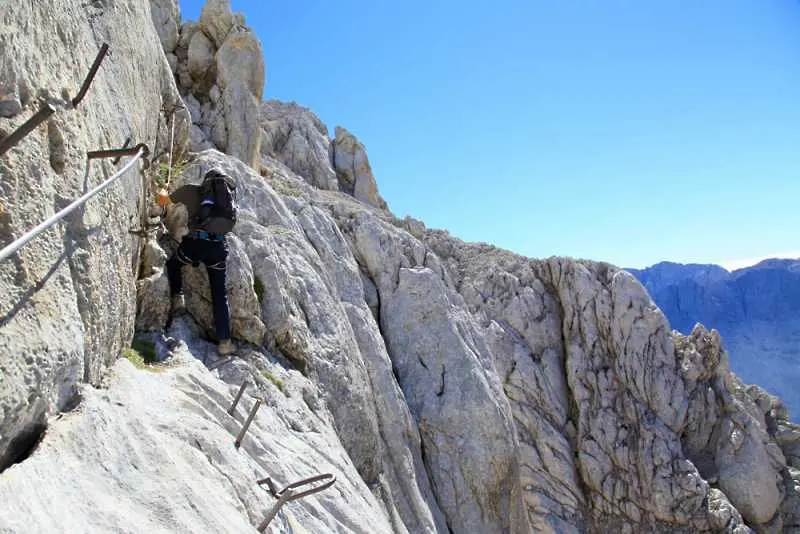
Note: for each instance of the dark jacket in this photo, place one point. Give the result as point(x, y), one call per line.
point(189, 196)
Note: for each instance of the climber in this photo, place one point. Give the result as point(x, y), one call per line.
point(211, 210)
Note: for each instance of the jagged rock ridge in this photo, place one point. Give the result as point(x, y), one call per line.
point(453, 387)
point(756, 310)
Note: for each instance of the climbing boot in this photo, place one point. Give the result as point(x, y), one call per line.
point(178, 305)
point(225, 347)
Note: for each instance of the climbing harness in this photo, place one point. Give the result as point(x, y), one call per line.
point(47, 109)
point(202, 234)
point(138, 152)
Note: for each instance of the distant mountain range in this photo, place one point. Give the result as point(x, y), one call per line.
point(756, 309)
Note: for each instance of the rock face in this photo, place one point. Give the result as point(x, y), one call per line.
point(539, 395)
point(217, 20)
point(220, 72)
point(451, 387)
point(755, 309)
point(166, 15)
point(68, 298)
point(295, 136)
point(353, 169)
point(149, 476)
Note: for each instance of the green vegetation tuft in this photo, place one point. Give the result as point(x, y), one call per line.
point(146, 349)
point(142, 354)
point(275, 380)
point(135, 358)
point(160, 171)
point(285, 189)
point(258, 287)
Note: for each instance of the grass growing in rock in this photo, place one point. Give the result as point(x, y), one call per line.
point(258, 287)
point(285, 189)
point(275, 380)
point(163, 172)
point(142, 355)
point(147, 349)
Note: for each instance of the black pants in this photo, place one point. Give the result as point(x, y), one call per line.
point(213, 254)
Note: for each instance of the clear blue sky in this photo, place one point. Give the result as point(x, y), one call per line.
point(626, 131)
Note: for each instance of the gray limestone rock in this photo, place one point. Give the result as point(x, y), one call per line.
point(240, 65)
point(153, 451)
point(353, 169)
point(451, 387)
point(69, 297)
point(241, 61)
point(243, 135)
point(295, 136)
point(201, 61)
point(217, 20)
point(166, 16)
point(9, 106)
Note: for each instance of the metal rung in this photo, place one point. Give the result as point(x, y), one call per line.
point(26, 127)
point(47, 109)
point(119, 152)
point(90, 77)
point(289, 493)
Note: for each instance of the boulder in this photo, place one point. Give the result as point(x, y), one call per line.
point(216, 20)
point(353, 169)
point(295, 136)
point(202, 63)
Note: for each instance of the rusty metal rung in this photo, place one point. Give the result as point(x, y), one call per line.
point(126, 144)
point(243, 431)
point(288, 494)
point(118, 152)
point(300, 483)
point(237, 398)
point(26, 127)
point(90, 77)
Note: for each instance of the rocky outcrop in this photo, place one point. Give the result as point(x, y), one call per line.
point(318, 317)
point(220, 71)
point(295, 136)
point(477, 391)
point(69, 298)
point(353, 169)
point(217, 21)
point(166, 15)
point(605, 379)
point(727, 434)
point(756, 310)
point(530, 388)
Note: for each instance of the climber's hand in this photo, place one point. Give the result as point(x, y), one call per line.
point(162, 198)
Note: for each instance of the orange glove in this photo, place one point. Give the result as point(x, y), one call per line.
point(162, 198)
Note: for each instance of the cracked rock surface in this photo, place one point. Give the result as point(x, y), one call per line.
point(154, 451)
point(452, 387)
point(68, 298)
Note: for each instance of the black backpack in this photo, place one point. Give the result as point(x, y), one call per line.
point(218, 207)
